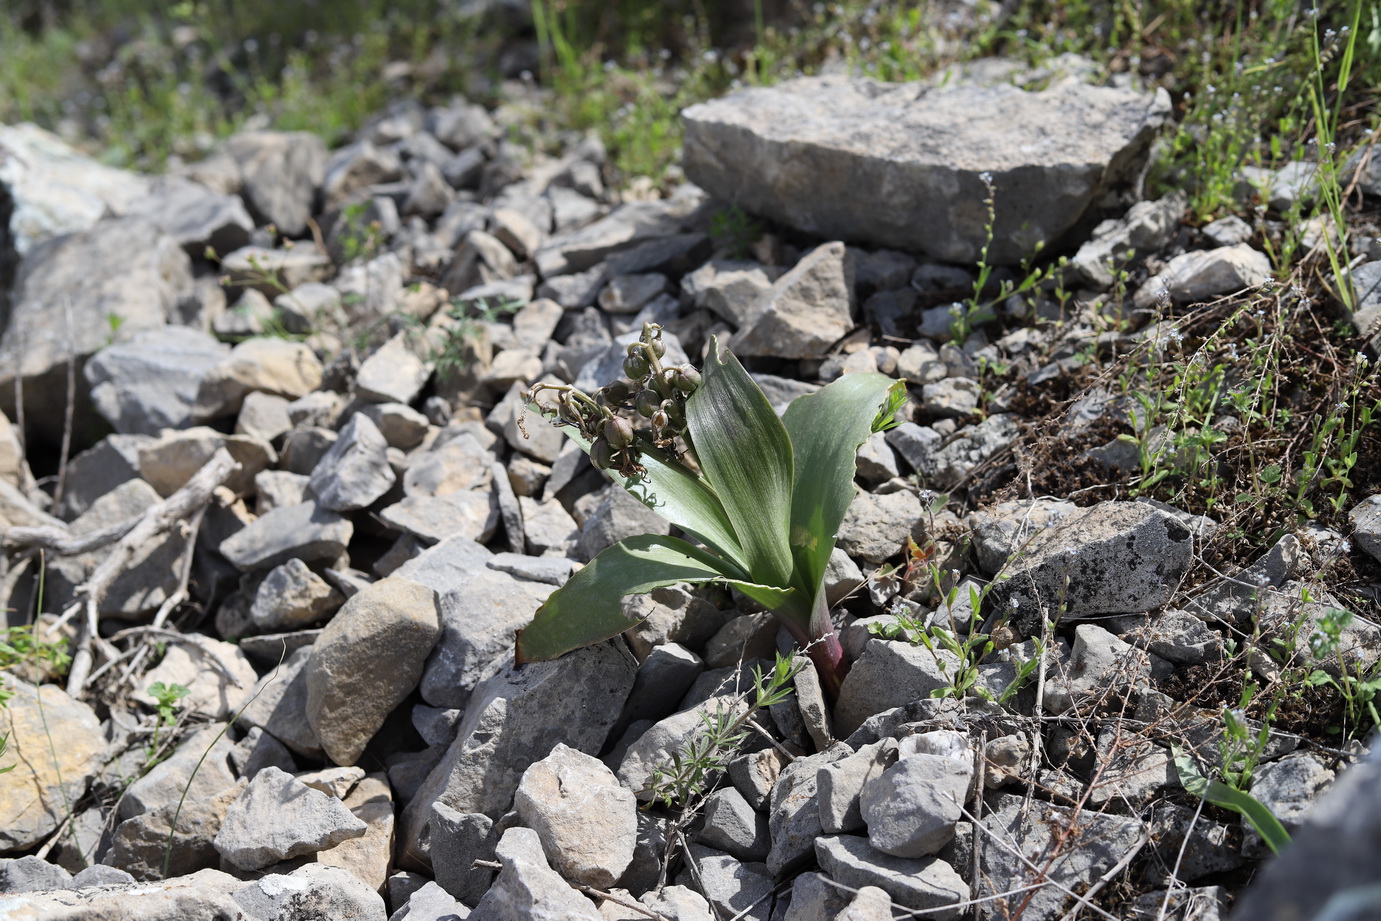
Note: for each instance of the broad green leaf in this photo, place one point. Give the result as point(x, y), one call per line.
point(1220, 794)
point(826, 429)
point(746, 456)
point(677, 495)
point(588, 608)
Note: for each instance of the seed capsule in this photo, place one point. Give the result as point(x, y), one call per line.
point(618, 431)
point(635, 365)
point(601, 454)
point(659, 348)
point(688, 380)
point(618, 392)
point(647, 403)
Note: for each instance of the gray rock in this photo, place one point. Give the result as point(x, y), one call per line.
point(480, 608)
point(278, 817)
point(839, 784)
point(729, 287)
point(1068, 849)
point(152, 573)
point(1288, 787)
point(306, 532)
point(626, 225)
point(576, 290)
point(733, 826)
point(733, 888)
point(1201, 274)
point(72, 295)
point(139, 845)
point(355, 166)
point(1236, 599)
point(669, 615)
point(869, 904)
point(275, 366)
point(876, 526)
point(263, 415)
point(547, 526)
point(1173, 635)
point(815, 898)
point(461, 125)
point(1113, 558)
point(586, 821)
point(100, 875)
point(888, 674)
point(627, 294)
point(369, 658)
point(217, 675)
point(794, 812)
point(280, 173)
point(355, 471)
point(511, 720)
point(278, 705)
point(293, 596)
point(945, 464)
point(927, 883)
point(150, 382)
point(954, 396)
point(1098, 664)
point(1005, 528)
point(664, 676)
point(195, 216)
point(55, 190)
point(258, 750)
point(394, 373)
point(617, 516)
point(402, 426)
point(911, 809)
point(1365, 519)
point(32, 874)
point(33, 796)
point(430, 902)
point(310, 306)
point(311, 891)
point(527, 889)
point(805, 311)
point(1145, 228)
point(811, 144)
point(191, 896)
point(457, 840)
point(876, 462)
point(1131, 770)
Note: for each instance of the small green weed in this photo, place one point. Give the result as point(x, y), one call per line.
point(694, 768)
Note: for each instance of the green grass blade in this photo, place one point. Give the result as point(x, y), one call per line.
point(826, 429)
point(681, 498)
point(588, 608)
point(1220, 794)
point(746, 456)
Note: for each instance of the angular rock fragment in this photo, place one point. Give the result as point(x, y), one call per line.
point(812, 144)
point(278, 817)
point(368, 659)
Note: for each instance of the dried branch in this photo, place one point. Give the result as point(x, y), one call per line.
point(171, 512)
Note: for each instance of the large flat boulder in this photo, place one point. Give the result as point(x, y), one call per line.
point(900, 165)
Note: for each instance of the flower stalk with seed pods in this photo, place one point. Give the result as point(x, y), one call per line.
point(764, 496)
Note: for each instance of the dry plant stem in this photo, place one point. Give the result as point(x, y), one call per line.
point(1117, 868)
point(1044, 880)
point(1179, 859)
point(617, 900)
point(165, 515)
point(66, 450)
point(981, 766)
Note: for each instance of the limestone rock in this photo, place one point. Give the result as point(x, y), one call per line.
point(804, 152)
point(278, 817)
point(368, 659)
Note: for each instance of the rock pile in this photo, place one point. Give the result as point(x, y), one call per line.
point(342, 338)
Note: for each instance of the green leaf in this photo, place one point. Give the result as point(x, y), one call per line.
point(826, 429)
point(746, 456)
point(1220, 794)
point(588, 608)
point(681, 498)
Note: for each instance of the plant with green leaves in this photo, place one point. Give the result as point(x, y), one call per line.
point(165, 698)
point(763, 495)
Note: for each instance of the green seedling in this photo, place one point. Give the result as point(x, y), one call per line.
point(165, 698)
point(763, 495)
point(1220, 794)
